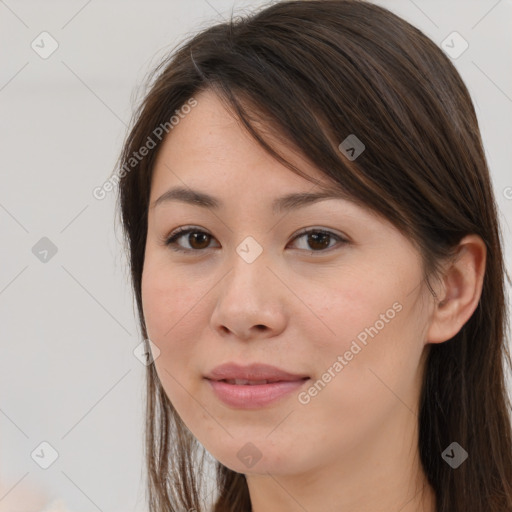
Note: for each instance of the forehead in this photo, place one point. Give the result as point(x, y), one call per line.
point(210, 149)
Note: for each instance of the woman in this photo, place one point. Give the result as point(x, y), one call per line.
point(317, 265)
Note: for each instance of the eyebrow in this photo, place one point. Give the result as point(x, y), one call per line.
point(279, 205)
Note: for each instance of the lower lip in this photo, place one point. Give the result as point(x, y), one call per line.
point(252, 397)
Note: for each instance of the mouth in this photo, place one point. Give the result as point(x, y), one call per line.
point(254, 394)
point(246, 382)
point(250, 391)
point(252, 375)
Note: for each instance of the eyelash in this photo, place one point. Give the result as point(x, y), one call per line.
point(180, 232)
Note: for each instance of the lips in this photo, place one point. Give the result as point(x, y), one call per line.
point(253, 387)
point(252, 375)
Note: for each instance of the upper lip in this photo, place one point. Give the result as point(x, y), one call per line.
point(256, 371)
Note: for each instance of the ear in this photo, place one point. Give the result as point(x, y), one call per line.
point(461, 287)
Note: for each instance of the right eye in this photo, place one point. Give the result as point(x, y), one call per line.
point(181, 232)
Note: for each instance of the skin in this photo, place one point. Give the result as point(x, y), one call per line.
point(20, 497)
point(354, 446)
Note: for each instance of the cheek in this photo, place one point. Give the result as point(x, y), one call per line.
point(341, 305)
point(170, 303)
point(374, 325)
point(379, 368)
point(172, 325)
point(169, 323)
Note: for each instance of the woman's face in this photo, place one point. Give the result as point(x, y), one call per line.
point(350, 316)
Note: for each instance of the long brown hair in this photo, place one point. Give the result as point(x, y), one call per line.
point(313, 72)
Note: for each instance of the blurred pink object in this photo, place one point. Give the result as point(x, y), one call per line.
point(21, 497)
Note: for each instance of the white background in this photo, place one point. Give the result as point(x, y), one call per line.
point(68, 326)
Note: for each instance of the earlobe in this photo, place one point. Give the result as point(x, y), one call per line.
point(462, 288)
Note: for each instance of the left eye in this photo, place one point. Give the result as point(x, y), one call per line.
point(199, 240)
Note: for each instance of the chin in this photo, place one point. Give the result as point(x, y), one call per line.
point(248, 459)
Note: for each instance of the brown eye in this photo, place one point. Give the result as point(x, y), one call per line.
point(318, 240)
point(198, 240)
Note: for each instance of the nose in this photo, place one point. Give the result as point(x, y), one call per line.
point(251, 301)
